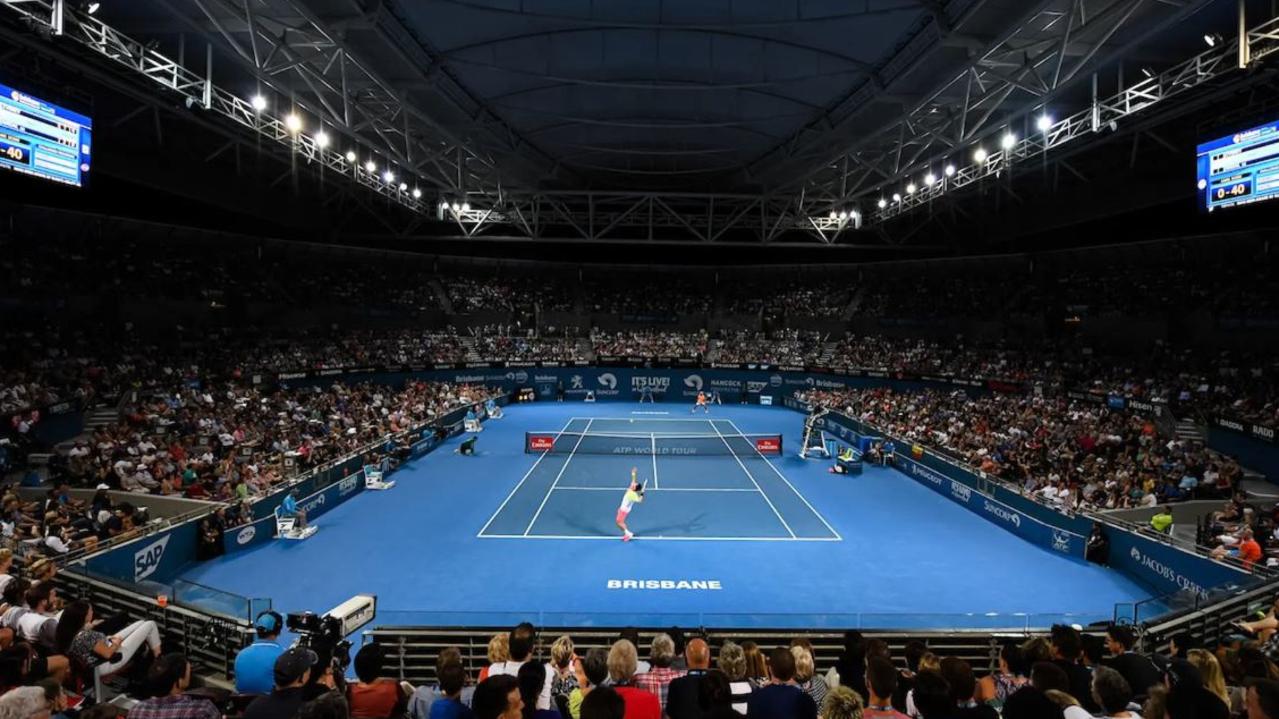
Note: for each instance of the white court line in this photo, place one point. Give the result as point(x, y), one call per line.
point(652, 438)
point(788, 484)
point(650, 412)
point(537, 514)
point(521, 482)
point(576, 537)
point(752, 477)
point(561, 488)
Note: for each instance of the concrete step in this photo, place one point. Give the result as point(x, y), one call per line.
point(39, 459)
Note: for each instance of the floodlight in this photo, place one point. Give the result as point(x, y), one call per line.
point(321, 139)
point(259, 103)
point(371, 166)
point(1008, 141)
point(882, 203)
point(1044, 123)
point(950, 170)
point(293, 123)
point(979, 155)
point(350, 156)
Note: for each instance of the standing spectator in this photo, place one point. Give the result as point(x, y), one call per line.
point(658, 679)
point(732, 661)
point(851, 665)
point(520, 643)
point(622, 660)
point(682, 699)
point(1162, 521)
point(167, 680)
point(781, 698)
point(498, 697)
point(1138, 671)
point(255, 664)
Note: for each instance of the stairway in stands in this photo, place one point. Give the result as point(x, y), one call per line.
point(1188, 430)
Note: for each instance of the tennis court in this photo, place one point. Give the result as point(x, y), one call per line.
point(705, 480)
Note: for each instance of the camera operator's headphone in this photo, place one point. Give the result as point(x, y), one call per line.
point(269, 622)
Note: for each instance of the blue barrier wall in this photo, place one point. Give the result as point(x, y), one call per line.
point(1253, 453)
point(1166, 568)
point(157, 558)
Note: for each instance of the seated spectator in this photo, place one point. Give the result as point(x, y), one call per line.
point(499, 651)
point(715, 697)
point(1112, 693)
point(255, 664)
point(1138, 671)
point(604, 703)
point(963, 690)
point(291, 671)
point(329, 705)
point(781, 698)
point(168, 679)
point(842, 703)
point(994, 688)
point(374, 696)
point(881, 684)
point(806, 676)
point(657, 680)
point(1210, 669)
point(77, 638)
point(1187, 693)
point(682, 695)
point(591, 672)
point(449, 704)
point(932, 697)
point(38, 624)
point(1263, 699)
point(732, 661)
point(622, 661)
point(756, 664)
point(25, 703)
point(560, 669)
point(1032, 700)
point(532, 679)
point(498, 697)
point(424, 697)
point(521, 641)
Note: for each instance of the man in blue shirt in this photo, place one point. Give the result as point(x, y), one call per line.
point(255, 664)
point(289, 508)
point(782, 698)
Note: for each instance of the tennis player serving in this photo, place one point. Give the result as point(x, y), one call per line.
point(634, 493)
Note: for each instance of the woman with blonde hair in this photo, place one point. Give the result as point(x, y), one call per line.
point(756, 665)
point(841, 703)
point(499, 651)
point(560, 671)
point(1210, 669)
point(806, 676)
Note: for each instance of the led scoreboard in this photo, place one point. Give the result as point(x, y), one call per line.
point(39, 138)
point(1239, 168)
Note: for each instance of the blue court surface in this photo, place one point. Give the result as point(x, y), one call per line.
point(729, 535)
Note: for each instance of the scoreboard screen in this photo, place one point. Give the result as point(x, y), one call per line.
point(1239, 168)
point(39, 138)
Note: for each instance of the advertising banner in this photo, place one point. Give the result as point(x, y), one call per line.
point(1167, 568)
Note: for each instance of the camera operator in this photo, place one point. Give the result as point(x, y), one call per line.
point(290, 673)
point(255, 664)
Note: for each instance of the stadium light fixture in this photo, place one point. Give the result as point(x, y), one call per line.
point(1044, 123)
point(910, 188)
point(843, 214)
point(930, 179)
point(93, 7)
point(444, 205)
point(370, 166)
point(897, 197)
point(388, 177)
point(1008, 141)
point(404, 186)
point(350, 155)
point(457, 207)
point(1212, 39)
point(882, 203)
point(1146, 71)
point(258, 102)
point(979, 155)
point(834, 214)
point(293, 123)
point(321, 139)
point(417, 194)
point(950, 170)
point(466, 207)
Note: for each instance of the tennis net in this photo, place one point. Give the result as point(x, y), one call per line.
point(660, 444)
